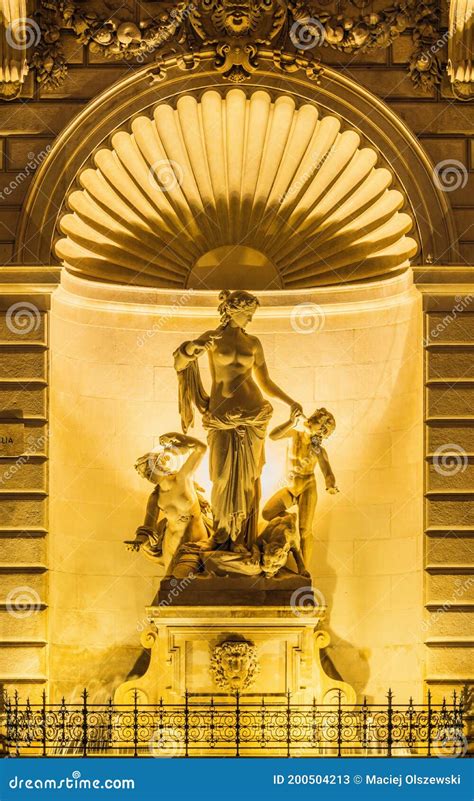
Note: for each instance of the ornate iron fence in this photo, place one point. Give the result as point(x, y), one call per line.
point(241, 726)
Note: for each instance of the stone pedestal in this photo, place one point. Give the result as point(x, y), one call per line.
point(286, 589)
point(285, 643)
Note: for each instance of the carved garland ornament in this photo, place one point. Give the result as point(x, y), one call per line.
point(237, 31)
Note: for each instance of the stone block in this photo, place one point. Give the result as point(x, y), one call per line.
point(42, 119)
point(461, 434)
point(312, 350)
point(393, 84)
point(14, 187)
point(385, 557)
point(25, 628)
point(23, 365)
point(31, 399)
point(464, 219)
point(116, 381)
point(453, 590)
point(22, 513)
point(454, 662)
point(449, 550)
point(8, 224)
point(22, 474)
point(450, 363)
point(20, 589)
point(450, 473)
point(440, 148)
point(34, 331)
point(450, 512)
point(450, 401)
point(437, 118)
point(23, 661)
point(84, 83)
point(24, 149)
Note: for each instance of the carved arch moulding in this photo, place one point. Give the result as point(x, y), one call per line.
point(355, 110)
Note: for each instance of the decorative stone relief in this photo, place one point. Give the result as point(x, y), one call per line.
point(234, 664)
point(237, 32)
point(461, 30)
point(15, 36)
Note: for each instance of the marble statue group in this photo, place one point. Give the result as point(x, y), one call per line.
point(225, 536)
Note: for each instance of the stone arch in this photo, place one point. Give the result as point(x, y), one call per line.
point(356, 110)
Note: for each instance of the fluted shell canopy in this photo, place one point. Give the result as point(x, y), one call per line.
point(235, 190)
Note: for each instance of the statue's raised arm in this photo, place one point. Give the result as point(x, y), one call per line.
point(235, 415)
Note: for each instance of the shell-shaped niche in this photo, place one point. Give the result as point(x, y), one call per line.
point(234, 175)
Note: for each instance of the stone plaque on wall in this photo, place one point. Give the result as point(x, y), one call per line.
point(12, 438)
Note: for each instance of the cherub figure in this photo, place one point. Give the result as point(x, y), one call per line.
point(175, 513)
point(304, 454)
point(278, 539)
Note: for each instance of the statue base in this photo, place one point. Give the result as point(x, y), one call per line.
point(215, 651)
point(236, 589)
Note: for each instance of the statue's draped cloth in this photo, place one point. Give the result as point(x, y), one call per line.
point(237, 455)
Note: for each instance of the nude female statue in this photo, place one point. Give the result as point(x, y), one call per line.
point(236, 415)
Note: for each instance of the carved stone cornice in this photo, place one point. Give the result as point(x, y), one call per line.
point(238, 30)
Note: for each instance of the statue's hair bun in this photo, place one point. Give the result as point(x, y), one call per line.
point(224, 294)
